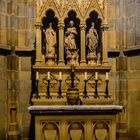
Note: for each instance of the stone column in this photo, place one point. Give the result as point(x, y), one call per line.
point(61, 43)
point(105, 43)
point(122, 93)
point(13, 96)
point(83, 43)
point(104, 28)
point(105, 11)
point(38, 42)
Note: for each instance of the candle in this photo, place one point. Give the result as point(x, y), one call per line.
point(85, 75)
point(96, 75)
point(48, 75)
point(60, 75)
point(107, 77)
point(37, 75)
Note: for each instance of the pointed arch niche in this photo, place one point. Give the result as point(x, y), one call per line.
point(72, 30)
point(93, 51)
point(101, 131)
point(50, 37)
point(76, 131)
point(50, 131)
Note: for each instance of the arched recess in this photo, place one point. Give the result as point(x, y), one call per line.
point(95, 18)
point(72, 16)
point(50, 131)
point(76, 131)
point(101, 131)
point(50, 17)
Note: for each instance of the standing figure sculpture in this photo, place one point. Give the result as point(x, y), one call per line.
point(92, 38)
point(50, 40)
point(70, 36)
point(70, 45)
point(92, 43)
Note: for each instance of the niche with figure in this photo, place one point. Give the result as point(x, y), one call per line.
point(76, 131)
point(50, 37)
point(101, 131)
point(93, 39)
point(72, 39)
point(50, 131)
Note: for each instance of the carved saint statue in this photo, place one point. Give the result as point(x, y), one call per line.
point(70, 36)
point(50, 41)
point(70, 45)
point(92, 39)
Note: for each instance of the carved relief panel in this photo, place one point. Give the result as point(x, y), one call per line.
point(50, 131)
point(75, 128)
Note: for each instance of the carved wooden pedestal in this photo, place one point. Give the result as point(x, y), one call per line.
point(96, 122)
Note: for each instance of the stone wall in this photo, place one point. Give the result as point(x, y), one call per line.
point(134, 97)
point(132, 26)
point(16, 29)
point(17, 20)
point(17, 23)
point(124, 35)
point(24, 96)
point(3, 98)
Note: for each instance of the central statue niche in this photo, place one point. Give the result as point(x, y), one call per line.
point(72, 39)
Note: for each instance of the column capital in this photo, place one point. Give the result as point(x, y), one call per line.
point(83, 26)
point(61, 25)
point(38, 25)
point(104, 26)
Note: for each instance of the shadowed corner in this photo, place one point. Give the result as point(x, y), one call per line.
point(32, 128)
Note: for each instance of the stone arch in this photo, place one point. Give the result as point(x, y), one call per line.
point(101, 129)
point(45, 7)
point(50, 131)
point(76, 129)
point(71, 14)
point(75, 9)
point(50, 16)
point(95, 9)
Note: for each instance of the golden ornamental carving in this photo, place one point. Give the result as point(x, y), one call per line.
point(61, 6)
point(102, 3)
point(82, 7)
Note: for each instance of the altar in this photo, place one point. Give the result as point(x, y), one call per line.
point(72, 97)
point(92, 122)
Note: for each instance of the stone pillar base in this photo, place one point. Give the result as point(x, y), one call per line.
point(83, 63)
point(38, 62)
point(13, 135)
point(105, 63)
point(61, 63)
